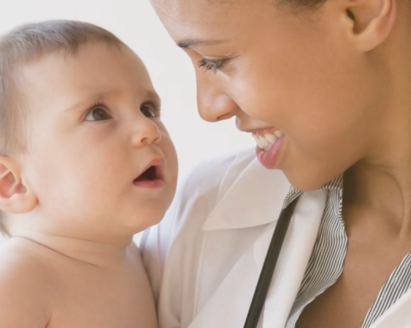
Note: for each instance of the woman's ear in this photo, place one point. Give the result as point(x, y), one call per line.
point(16, 195)
point(371, 21)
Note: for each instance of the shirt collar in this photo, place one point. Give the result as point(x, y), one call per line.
point(254, 196)
point(335, 184)
point(248, 196)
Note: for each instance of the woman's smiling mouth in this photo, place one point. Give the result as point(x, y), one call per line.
point(266, 138)
point(269, 142)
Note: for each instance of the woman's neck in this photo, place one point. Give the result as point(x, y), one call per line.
point(382, 180)
point(381, 190)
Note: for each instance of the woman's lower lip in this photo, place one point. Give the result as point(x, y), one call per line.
point(269, 158)
point(150, 184)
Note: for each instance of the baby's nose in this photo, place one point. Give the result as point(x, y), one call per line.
point(145, 133)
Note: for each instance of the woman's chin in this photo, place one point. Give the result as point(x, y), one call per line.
point(306, 180)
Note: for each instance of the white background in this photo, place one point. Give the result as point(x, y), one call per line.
point(135, 22)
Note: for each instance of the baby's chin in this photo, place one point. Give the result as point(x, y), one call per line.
point(143, 219)
point(108, 224)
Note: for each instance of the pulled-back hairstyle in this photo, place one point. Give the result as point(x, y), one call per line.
point(27, 43)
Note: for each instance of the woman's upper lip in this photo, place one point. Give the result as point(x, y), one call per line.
point(271, 129)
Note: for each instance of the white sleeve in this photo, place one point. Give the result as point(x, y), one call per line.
point(170, 249)
point(154, 247)
point(157, 240)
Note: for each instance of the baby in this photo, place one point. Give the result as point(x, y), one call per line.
point(85, 163)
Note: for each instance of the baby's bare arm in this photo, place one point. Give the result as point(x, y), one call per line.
point(24, 294)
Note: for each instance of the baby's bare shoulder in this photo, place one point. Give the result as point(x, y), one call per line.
point(24, 288)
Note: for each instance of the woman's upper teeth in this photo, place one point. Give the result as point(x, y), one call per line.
point(278, 133)
point(266, 140)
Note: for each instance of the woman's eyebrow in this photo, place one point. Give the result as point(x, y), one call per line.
point(188, 43)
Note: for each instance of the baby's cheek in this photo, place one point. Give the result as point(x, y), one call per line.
point(171, 157)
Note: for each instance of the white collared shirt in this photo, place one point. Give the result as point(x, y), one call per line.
point(205, 257)
point(327, 261)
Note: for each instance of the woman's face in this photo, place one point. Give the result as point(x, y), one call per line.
point(278, 71)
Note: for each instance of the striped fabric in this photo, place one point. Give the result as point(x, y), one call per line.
point(397, 284)
point(327, 260)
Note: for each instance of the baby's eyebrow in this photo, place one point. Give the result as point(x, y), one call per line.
point(150, 96)
point(84, 102)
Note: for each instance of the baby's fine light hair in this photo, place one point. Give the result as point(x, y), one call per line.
point(25, 44)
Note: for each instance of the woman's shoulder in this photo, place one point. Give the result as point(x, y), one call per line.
point(214, 190)
point(209, 174)
point(218, 177)
point(223, 163)
point(229, 184)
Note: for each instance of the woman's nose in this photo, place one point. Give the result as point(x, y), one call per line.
point(213, 104)
point(145, 132)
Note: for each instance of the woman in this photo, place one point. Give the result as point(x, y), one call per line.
point(325, 88)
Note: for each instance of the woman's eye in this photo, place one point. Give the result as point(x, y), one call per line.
point(149, 111)
point(97, 114)
point(212, 65)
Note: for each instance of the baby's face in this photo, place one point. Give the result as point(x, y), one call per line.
point(99, 159)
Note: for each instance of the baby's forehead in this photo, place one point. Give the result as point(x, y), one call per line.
point(94, 68)
point(30, 51)
point(86, 58)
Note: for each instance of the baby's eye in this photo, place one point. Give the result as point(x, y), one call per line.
point(149, 111)
point(98, 113)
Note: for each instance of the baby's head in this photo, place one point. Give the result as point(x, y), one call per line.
point(83, 152)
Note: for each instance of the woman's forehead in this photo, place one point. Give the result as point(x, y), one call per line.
point(191, 19)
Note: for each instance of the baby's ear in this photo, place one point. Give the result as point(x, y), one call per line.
point(16, 195)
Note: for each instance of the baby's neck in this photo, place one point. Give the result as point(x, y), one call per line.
point(97, 253)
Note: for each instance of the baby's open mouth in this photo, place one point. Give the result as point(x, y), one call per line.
point(152, 177)
point(152, 173)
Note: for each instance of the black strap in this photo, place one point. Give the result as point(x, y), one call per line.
point(270, 262)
